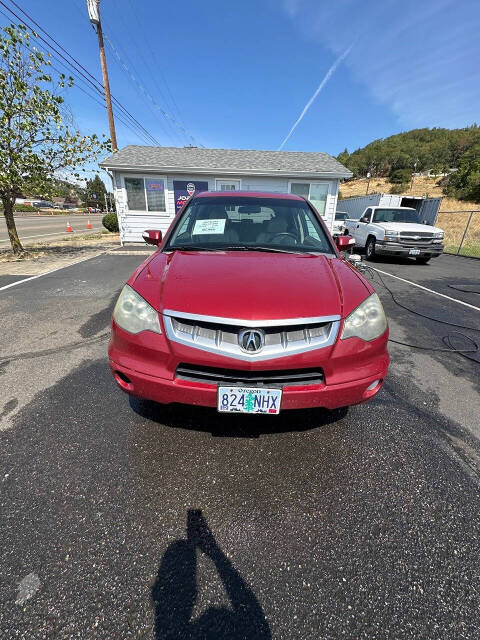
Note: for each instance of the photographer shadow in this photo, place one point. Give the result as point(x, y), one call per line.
point(175, 592)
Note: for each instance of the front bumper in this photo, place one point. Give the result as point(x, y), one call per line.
point(397, 249)
point(144, 365)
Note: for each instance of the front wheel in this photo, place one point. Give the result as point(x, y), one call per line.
point(370, 249)
point(422, 260)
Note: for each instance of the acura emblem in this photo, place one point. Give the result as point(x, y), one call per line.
point(251, 340)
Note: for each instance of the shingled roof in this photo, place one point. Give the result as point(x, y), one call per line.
point(226, 161)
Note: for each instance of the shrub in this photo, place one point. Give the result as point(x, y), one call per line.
point(110, 222)
point(400, 176)
point(399, 188)
point(24, 208)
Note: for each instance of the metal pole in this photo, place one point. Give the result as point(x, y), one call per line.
point(106, 84)
point(465, 232)
point(106, 204)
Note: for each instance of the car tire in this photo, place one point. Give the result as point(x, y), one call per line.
point(370, 249)
point(422, 260)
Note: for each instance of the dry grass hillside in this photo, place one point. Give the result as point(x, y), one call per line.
point(421, 187)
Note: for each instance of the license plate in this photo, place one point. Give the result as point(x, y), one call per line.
point(414, 252)
point(249, 400)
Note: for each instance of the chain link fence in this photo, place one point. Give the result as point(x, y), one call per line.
point(462, 232)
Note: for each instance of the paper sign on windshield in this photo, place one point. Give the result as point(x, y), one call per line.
point(209, 226)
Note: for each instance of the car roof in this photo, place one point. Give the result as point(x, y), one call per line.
point(249, 194)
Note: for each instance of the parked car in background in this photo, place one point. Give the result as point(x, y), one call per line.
point(395, 231)
point(249, 306)
point(43, 204)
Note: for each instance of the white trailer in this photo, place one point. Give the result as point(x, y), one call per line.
point(427, 208)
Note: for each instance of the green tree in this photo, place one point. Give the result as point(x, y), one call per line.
point(95, 192)
point(400, 176)
point(36, 139)
point(464, 184)
point(249, 403)
point(343, 157)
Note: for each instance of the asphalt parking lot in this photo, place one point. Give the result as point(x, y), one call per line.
point(358, 524)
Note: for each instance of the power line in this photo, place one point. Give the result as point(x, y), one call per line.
point(166, 126)
point(95, 99)
point(166, 115)
point(94, 82)
point(99, 86)
point(152, 57)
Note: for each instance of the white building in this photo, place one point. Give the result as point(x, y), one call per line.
point(152, 183)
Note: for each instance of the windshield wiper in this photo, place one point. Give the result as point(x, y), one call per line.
point(255, 248)
point(193, 247)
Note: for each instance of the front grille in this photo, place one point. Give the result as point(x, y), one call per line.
point(222, 335)
point(213, 375)
point(416, 237)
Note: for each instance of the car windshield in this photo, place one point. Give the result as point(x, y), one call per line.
point(395, 215)
point(341, 216)
point(249, 223)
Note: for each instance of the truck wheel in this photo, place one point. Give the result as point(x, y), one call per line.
point(370, 249)
point(422, 260)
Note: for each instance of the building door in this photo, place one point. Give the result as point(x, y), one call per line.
point(227, 185)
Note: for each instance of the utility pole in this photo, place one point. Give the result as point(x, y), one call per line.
point(413, 173)
point(93, 7)
point(106, 203)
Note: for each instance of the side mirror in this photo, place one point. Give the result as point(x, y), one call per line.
point(364, 219)
point(152, 236)
point(344, 242)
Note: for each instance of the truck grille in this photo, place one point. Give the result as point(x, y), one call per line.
point(416, 237)
point(224, 335)
point(212, 375)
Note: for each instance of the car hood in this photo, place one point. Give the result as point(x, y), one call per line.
point(250, 285)
point(407, 226)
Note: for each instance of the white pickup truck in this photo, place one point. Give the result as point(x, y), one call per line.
point(395, 231)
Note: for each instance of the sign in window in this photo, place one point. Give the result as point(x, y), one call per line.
point(145, 194)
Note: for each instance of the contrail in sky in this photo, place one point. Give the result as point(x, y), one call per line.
point(327, 77)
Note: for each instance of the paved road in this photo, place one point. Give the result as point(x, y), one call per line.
point(38, 228)
point(356, 525)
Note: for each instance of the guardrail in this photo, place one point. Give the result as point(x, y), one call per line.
point(462, 232)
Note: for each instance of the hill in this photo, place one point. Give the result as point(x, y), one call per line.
point(419, 149)
point(422, 186)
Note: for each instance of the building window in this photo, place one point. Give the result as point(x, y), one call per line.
point(155, 194)
point(145, 194)
point(135, 194)
point(227, 185)
point(316, 192)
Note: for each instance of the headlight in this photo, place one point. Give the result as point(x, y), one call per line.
point(438, 234)
point(367, 321)
point(391, 235)
point(134, 314)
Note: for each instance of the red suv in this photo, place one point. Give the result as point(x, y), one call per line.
point(248, 306)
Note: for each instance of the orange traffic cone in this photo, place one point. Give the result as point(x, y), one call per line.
point(69, 228)
point(89, 226)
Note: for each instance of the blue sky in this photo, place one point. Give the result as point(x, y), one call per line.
point(238, 74)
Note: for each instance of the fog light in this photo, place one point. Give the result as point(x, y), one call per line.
point(373, 385)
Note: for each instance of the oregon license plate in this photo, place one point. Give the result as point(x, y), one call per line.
point(249, 400)
point(414, 252)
